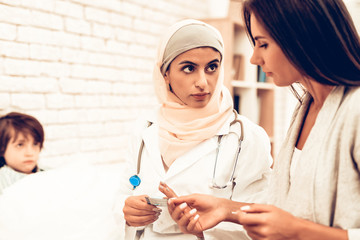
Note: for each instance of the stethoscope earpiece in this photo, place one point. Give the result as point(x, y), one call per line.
point(135, 181)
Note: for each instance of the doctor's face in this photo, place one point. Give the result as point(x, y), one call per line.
point(271, 58)
point(193, 75)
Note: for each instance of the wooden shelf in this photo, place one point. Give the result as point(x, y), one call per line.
point(228, 29)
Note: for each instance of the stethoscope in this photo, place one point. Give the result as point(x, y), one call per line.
point(135, 179)
point(240, 139)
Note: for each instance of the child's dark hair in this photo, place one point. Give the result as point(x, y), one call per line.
point(14, 123)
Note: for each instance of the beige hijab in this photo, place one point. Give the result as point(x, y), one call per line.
point(181, 128)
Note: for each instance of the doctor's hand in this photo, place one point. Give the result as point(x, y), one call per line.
point(138, 213)
point(185, 216)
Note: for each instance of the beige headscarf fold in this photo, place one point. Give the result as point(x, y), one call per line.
point(181, 127)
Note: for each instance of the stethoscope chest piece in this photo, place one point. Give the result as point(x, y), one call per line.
point(135, 181)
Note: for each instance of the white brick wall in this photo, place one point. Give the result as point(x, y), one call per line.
point(83, 68)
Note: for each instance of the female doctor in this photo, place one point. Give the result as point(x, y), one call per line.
point(192, 142)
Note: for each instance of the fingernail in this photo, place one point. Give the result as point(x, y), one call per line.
point(244, 208)
point(167, 189)
point(161, 182)
point(196, 217)
point(170, 200)
point(157, 210)
point(183, 205)
point(157, 215)
point(193, 211)
point(161, 187)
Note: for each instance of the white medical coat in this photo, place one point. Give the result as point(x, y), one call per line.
point(193, 172)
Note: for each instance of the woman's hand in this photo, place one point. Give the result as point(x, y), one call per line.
point(165, 189)
point(138, 213)
point(271, 223)
point(268, 222)
point(185, 216)
point(211, 210)
point(196, 213)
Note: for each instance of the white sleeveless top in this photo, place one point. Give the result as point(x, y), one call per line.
point(294, 161)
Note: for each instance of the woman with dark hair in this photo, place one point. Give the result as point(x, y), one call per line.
point(314, 191)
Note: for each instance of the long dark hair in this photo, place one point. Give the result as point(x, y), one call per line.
point(14, 123)
point(317, 36)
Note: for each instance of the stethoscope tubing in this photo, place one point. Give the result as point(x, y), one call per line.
point(240, 139)
point(135, 179)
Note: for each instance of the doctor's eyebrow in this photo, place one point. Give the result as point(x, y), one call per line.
point(187, 62)
point(191, 63)
point(214, 61)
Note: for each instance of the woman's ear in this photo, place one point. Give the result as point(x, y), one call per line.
point(167, 80)
point(166, 77)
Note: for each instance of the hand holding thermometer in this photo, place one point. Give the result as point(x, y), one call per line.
point(158, 202)
point(161, 202)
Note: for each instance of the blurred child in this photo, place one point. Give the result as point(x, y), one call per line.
point(21, 140)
